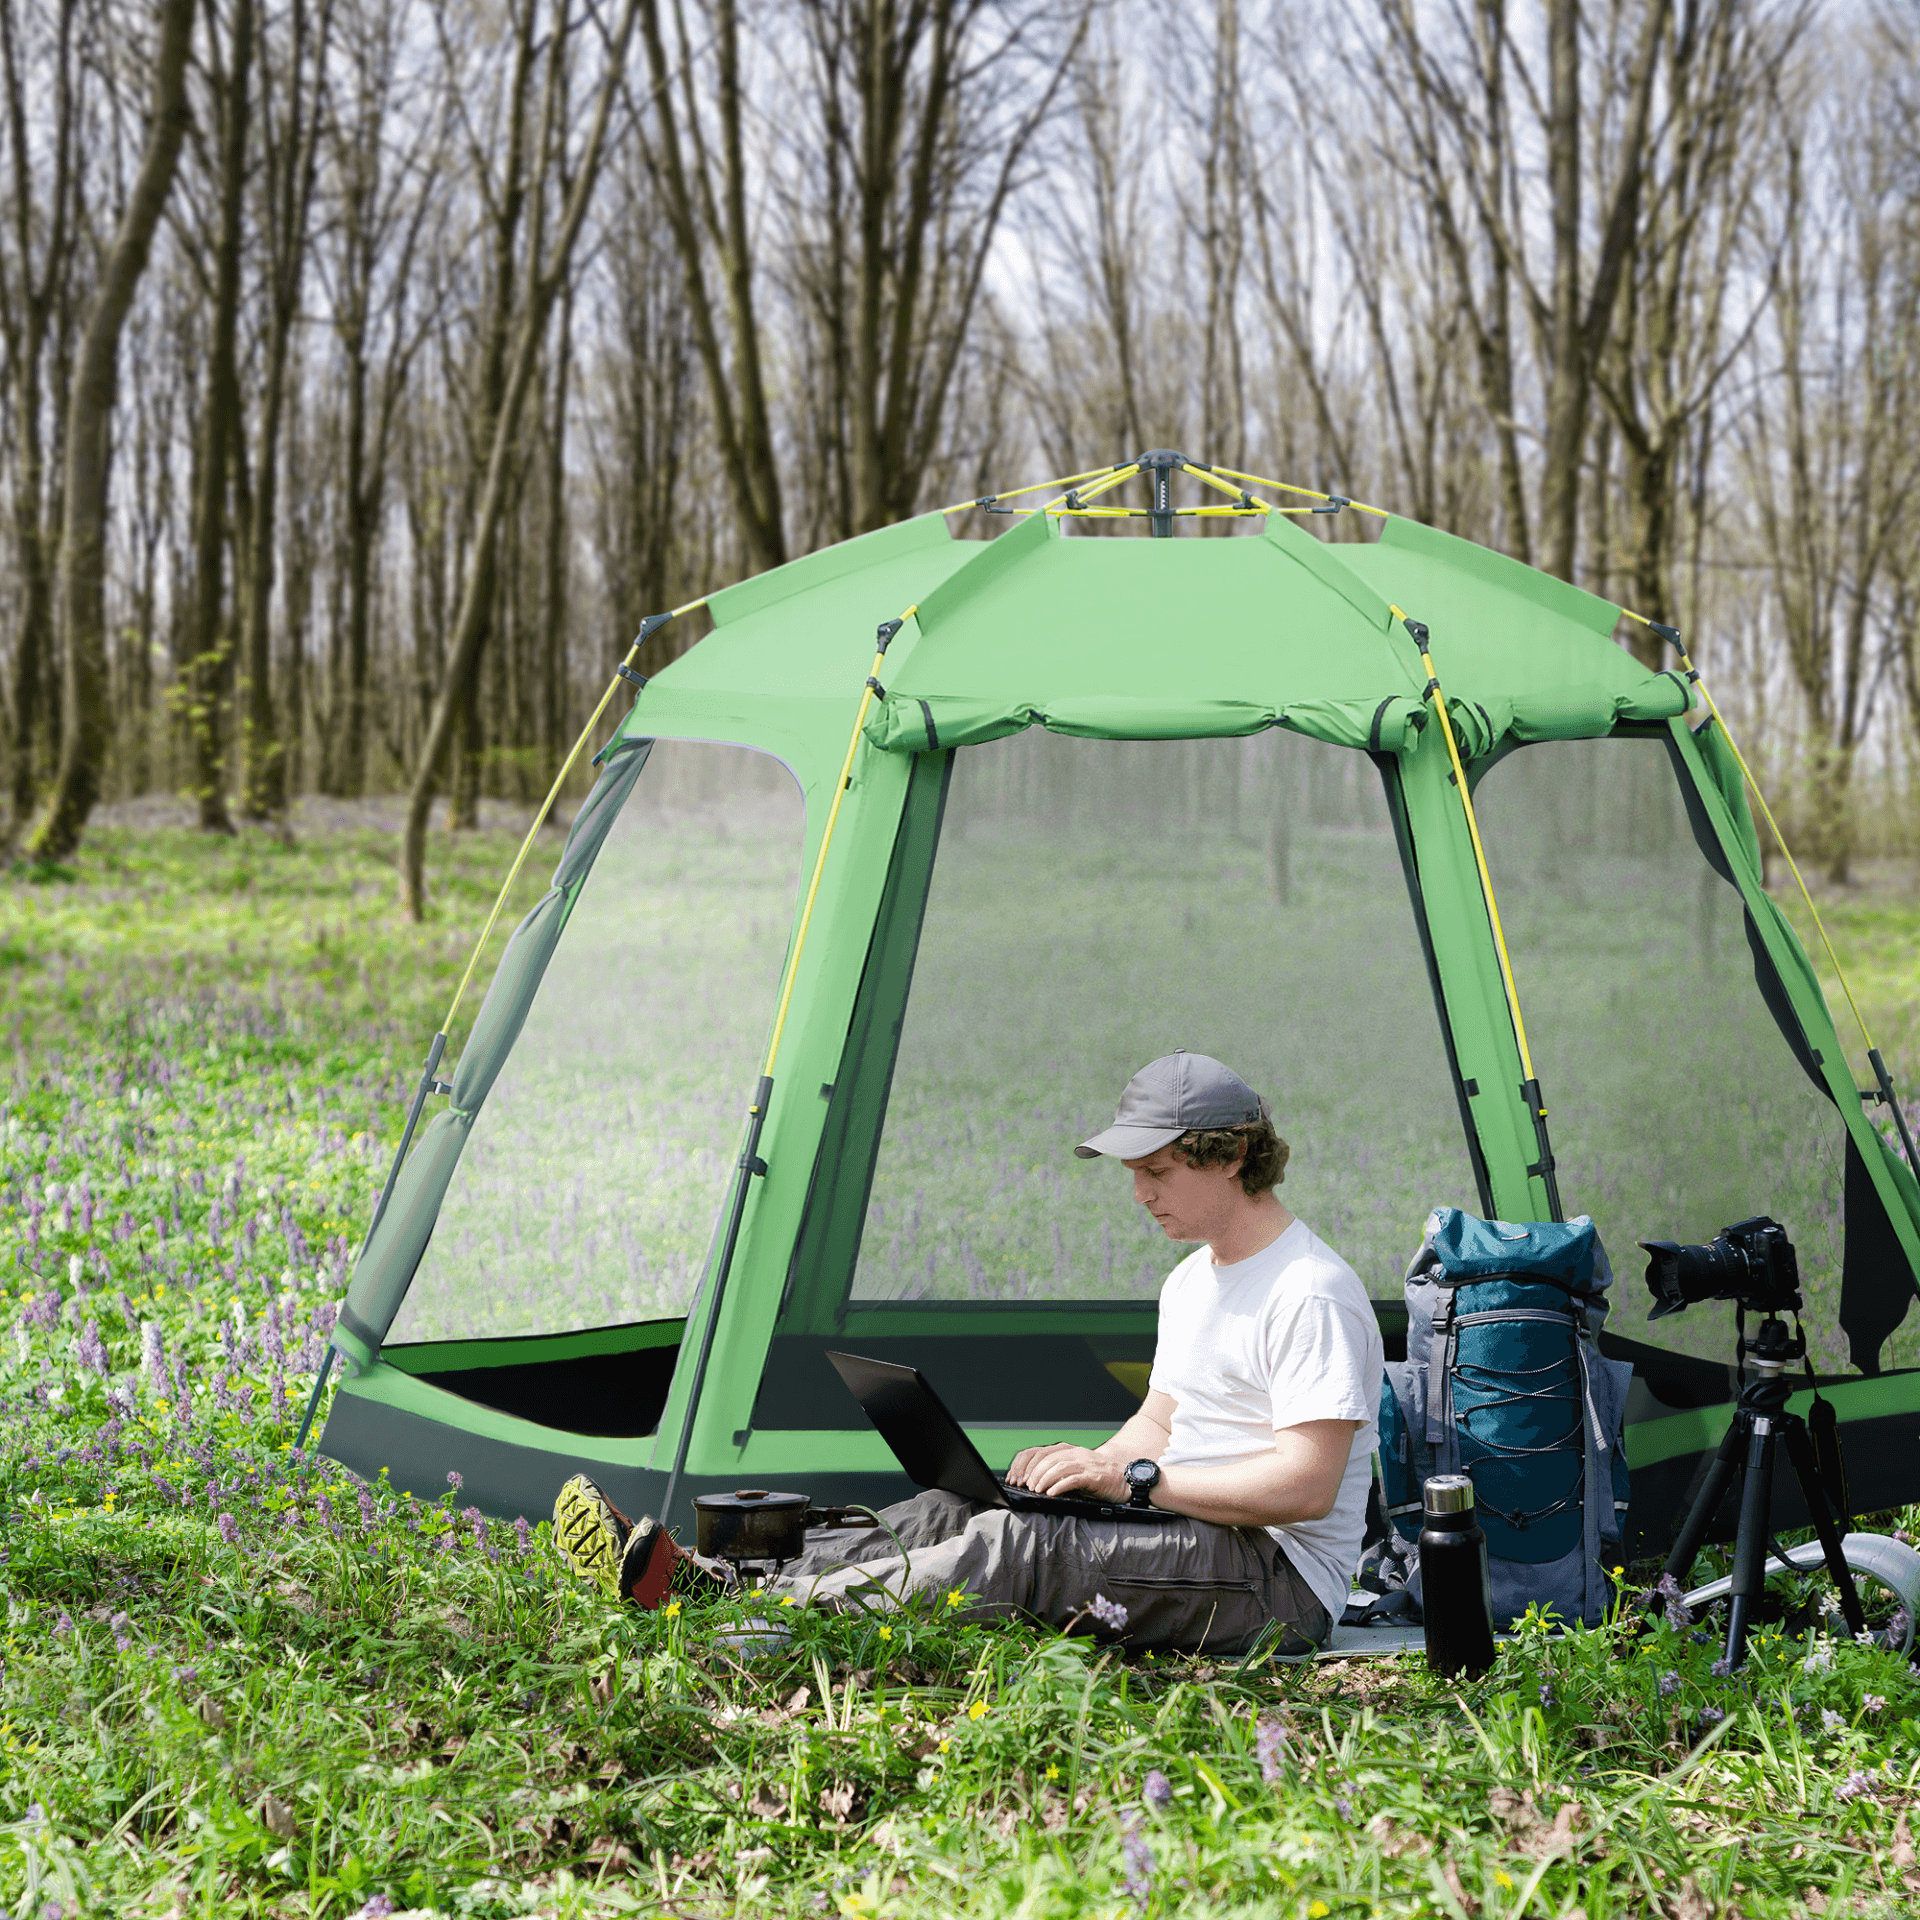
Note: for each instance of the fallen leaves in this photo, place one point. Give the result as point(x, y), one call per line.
point(768, 1803)
point(1396, 1841)
point(277, 1817)
point(1527, 1831)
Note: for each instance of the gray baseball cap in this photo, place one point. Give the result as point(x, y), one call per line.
point(1173, 1096)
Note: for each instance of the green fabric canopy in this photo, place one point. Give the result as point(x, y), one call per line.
point(1184, 639)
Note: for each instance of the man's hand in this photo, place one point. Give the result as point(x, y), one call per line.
point(1064, 1468)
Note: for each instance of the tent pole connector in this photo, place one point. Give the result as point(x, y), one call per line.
point(1886, 1093)
point(747, 1168)
point(1543, 1168)
point(1160, 466)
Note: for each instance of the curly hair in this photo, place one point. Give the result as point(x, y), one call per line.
point(1259, 1149)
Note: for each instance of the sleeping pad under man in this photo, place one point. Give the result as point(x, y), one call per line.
point(1258, 1427)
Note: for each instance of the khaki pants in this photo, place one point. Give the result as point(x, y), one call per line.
point(1187, 1585)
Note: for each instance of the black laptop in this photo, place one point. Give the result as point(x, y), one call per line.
point(933, 1447)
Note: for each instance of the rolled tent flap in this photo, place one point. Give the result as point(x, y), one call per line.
point(386, 1269)
point(915, 723)
point(1880, 1270)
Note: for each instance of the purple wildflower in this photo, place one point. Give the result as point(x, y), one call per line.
point(523, 1533)
point(1136, 1856)
point(1855, 1786)
point(1711, 1716)
point(1110, 1613)
point(64, 1623)
point(122, 1625)
point(1669, 1685)
point(1873, 1703)
point(1899, 1627)
point(1270, 1747)
point(1721, 1668)
point(1673, 1603)
point(229, 1529)
point(454, 1480)
point(1156, 1789)
point(477, 1521)
point(1548, 1698)
point(91, 1351)
point(1831, 1722)
point(369, 1513)
point(376, 1909)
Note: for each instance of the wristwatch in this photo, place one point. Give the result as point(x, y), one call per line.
point(1141, 1476)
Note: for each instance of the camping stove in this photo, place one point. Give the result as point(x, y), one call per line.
point(757, 1530)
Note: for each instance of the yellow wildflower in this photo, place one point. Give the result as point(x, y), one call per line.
point(671, 1611)
point(1500, 1874)
point(953, 1597)
point(1318, 1910)
point(787, 1600)
point(944, 1745)
point(1053, 1773)
point(977, 1711)
point(886, 1633)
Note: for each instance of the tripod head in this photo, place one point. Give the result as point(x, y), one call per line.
point(1772, 1349)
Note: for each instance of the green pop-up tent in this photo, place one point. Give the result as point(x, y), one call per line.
point(854, 938)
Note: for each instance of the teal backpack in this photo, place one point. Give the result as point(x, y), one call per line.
point(1504, 1381)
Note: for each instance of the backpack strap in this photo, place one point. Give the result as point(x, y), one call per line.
point(1597, 1487)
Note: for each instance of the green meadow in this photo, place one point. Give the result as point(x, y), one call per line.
point(236, 1682)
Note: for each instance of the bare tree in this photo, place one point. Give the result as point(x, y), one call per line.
point(39, 237)
point(83, 554)
point(570, 178)
point(1833, 448)
point(382, 195)
point(289, 151)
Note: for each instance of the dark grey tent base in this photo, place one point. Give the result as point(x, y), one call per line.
point(507, 1481)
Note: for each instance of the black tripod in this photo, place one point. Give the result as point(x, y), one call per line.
point(1761, 1418)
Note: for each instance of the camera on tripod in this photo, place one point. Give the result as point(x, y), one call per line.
point(1751, 1262)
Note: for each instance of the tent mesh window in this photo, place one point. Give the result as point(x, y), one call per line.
point(1678, 1106)
point(1095, 904)
point(587, 1193)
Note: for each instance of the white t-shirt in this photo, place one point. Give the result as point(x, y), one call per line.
point(1283, 1338)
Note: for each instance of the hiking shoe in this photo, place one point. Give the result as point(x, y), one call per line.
point(591, 1533)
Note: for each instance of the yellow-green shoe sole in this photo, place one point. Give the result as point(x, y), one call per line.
point(588, 1535)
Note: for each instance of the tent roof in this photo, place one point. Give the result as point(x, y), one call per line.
point(1132, 639)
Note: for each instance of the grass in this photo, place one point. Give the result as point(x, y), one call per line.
point(238, 1683)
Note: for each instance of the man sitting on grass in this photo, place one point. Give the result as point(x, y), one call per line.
point(1258, 1427)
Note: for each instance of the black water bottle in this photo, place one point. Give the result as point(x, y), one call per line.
point(1456, 1590)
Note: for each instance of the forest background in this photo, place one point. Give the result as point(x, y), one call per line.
point(452, 339)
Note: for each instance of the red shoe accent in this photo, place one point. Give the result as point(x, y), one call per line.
point(646, 1568)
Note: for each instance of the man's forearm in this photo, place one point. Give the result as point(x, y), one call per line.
point(1271, 1490)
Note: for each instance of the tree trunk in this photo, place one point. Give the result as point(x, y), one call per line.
point(210, 672)
point(83, 557)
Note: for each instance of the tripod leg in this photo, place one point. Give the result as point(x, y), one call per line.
point(1750, 1546)
point(1707, 1502)
point(1800, 1451)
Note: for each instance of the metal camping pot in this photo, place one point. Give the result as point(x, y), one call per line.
point(752, 1524)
